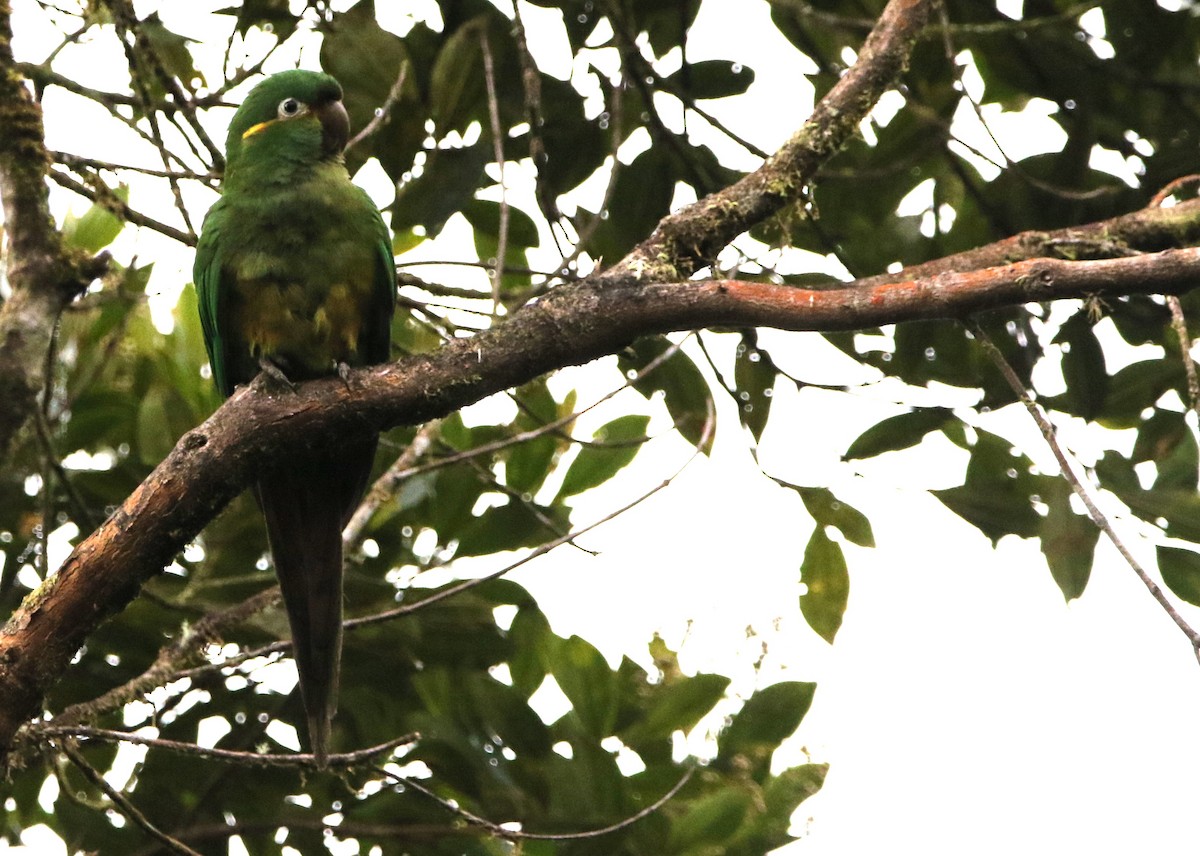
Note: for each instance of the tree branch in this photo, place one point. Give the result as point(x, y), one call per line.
point(43, 274)
point(690, 239)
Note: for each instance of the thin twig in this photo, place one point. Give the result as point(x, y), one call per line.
point(804, 9)
point(384, 111)
point(531, 87)
point(515, 835)
point(116, 205)
point(255, 759)
point(129, 34)
point(56, 466)
point(75, 162)
point(122, 802)
point(584, 235)
point(164, 668)
point(1171, 187)
point(1097, 516)
point(540, 550)
point(386, 485)
point(1179, 323)
point(489, 77)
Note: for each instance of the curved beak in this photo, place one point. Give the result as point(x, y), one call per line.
point(335, 126)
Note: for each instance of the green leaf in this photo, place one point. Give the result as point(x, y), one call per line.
point(510, 526)
point(710, 821)
point(678, 707)
point(792, 787)
point(617, 442)
point(997, 494)
point(445, 186)
point(457, 85)
point(260, 13)
point(161, 420)
point(1083, 366)
point(1068, 541)
point(527, 464)
point(530, 634)
point(711, 78)
point(585, 678)
point(1158, 436)
point(897, 432)
point(641, 197)
point(171, 51)
point(768, 717)
point(97, 228)
point(665, 21)
point(1135, 388)
point(685, 392)
point(575, 147)
point(1167, 441)
point(1178, 508)
point(827, 510)
point(754, 383)
point(1180, 570)
point(824, 573)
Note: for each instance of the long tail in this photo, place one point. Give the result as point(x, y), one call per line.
point(306, 507)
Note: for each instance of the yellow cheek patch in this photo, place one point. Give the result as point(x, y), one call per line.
point(254, 129)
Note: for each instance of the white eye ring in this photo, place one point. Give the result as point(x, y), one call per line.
point(289, 108)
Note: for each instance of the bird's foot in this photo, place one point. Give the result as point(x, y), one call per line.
point(273, 375)
point(343, 371)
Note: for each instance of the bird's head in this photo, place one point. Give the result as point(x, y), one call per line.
point(296, 115)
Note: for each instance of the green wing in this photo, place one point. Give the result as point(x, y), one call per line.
point(206, 273)
point(378, 345)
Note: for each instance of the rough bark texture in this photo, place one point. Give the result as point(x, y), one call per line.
point(43, 276)
point(690, 239)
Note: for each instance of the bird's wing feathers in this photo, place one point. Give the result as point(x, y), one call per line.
point(377, 347)
point(206, 273)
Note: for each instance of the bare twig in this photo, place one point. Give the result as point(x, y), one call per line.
point(1097, 516)
point(122, 802)
point(489, 77)
point(386, 485)
point(1179, 323)
point(384, 110)
point(501, 831)
point(116, 205)
point(252, 759)
point(76, 162)
point(82, 511)
point(541, 550)
point(805, 10)
point(164, 669)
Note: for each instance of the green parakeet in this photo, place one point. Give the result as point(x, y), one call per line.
point(295, 275)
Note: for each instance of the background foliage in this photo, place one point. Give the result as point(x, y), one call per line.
point(1119, 79)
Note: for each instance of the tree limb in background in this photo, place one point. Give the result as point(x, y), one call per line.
point(43, 274)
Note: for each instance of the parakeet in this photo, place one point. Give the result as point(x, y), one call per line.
point(295, 277)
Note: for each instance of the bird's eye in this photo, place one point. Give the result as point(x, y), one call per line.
point(289, 107)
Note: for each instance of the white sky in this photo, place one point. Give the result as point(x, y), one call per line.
point(964, 706)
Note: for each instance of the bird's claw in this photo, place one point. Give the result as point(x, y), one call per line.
point(273, 375)
point(343, 371)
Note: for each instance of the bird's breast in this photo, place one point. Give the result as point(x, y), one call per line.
point(301, 279)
